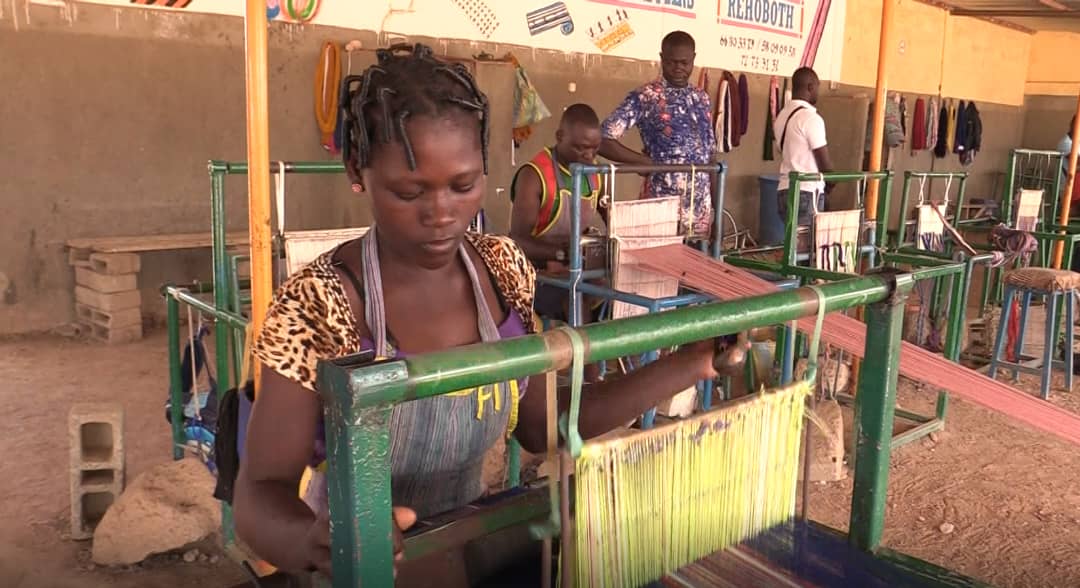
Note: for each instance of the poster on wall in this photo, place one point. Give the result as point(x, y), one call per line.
point(755, 36)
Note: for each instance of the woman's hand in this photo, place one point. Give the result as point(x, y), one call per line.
point(713, 358)
point(317, 540)
point(403, 519)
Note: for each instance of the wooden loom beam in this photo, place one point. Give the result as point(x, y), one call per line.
point(258, 156)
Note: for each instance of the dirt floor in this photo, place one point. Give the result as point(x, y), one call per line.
point(40, 378)
point(1010, 496)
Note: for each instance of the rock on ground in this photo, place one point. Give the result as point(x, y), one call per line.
point(167, 507)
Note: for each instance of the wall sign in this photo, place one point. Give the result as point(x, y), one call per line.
point(755, 36)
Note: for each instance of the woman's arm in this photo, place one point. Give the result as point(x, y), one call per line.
point(270, 517)
point(610, 404)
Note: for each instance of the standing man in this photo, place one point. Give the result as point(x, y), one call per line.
point(541, 194)
point(675, 123)
point(800, 133)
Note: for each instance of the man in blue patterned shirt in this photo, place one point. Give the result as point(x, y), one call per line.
point(674, 119)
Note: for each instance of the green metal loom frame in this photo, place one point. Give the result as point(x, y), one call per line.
point(927, 266)
point(359, 398)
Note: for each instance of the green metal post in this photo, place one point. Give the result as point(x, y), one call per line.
point(358, 447)
point(791, 223)
point(1010, 187)
point(901, 231)
point(513, 464)
point(176, 381)
point(961, 194)
point(884, 207)
point(953, 338)
point(875, 406)
point(221, 275)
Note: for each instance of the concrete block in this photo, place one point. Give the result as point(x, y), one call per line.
point(105, 283)
point(79, 257)
point(97, 463)
point(115, 263)
point(110, 320)
point(115, 336)
point(108, 301)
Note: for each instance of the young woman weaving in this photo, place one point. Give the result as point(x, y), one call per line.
point(417, 282)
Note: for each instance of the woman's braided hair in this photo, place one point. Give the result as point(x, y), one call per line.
point(407, 80)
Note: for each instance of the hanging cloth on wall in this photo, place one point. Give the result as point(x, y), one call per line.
point(972, 134)
point(744, 103)
point(932, 116)
point(894, 130)
point(950, 133)
point(903, 115)
point(729, 126)
point(529, 108)
point(722, 116)
point(941, 145)
point(961, 128)
point(770, 116)
point(918, 126)
point(327, 91)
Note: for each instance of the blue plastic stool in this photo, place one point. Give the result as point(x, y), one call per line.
point(1054, 287)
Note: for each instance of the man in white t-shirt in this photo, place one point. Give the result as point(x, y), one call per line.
point(800, 138)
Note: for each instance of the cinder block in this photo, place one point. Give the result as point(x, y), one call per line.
point(113, 336)
point(79, 257)
point(97, 463)
point(115, 263)
point(105, 283)
point(110, 320)
point(107, 302)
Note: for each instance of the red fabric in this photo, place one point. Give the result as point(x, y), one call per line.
point(918, 126)
point(1013, 331)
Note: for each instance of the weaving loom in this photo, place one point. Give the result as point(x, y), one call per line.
point(654, 501)
point(657, 524)
point(640, 224)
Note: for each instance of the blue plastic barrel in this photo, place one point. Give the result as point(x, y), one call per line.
point(770, 227)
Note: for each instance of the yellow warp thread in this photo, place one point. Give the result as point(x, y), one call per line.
point(648, 504)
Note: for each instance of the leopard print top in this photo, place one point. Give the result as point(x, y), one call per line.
point(311, 319)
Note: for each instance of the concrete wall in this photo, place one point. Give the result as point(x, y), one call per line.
point(117, 111)
point(1049, 68)
point(1046, 120)
point(934, 52)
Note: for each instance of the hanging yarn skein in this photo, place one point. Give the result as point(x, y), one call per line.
point(327, 83)
point(304, 14)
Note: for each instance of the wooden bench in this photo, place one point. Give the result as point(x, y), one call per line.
point(107, 298)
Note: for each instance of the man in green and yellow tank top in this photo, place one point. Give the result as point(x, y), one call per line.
point(541, 196)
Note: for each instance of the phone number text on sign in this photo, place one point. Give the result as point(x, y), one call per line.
point(760, 64)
